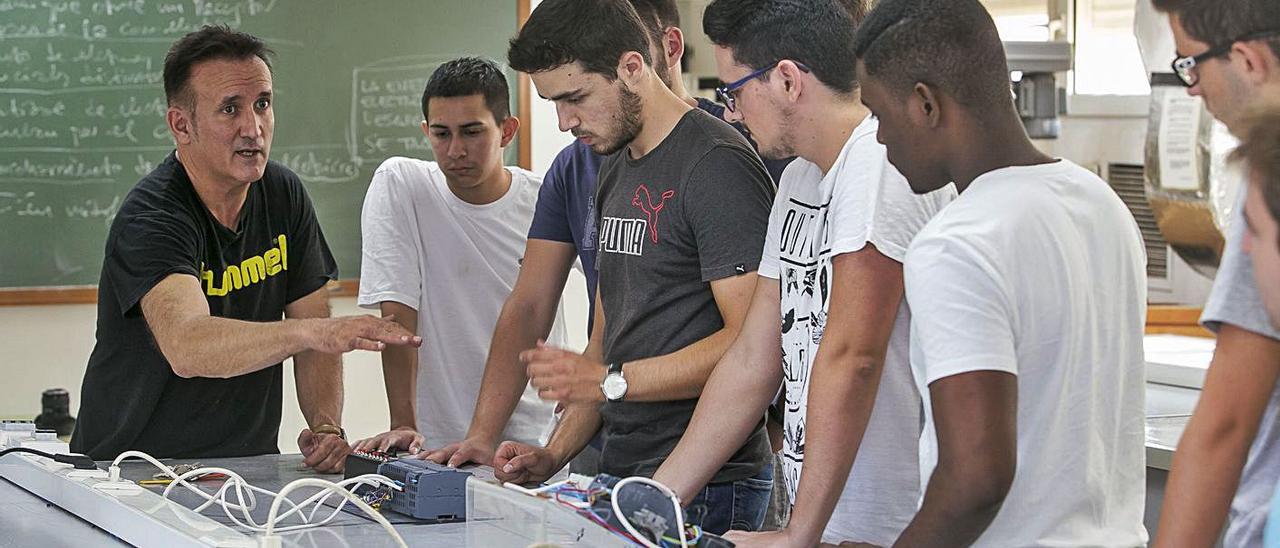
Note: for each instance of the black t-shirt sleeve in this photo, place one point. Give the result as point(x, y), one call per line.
point(313, 265)
point(727, 202)
point(145, 250)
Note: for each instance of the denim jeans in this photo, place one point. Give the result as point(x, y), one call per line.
point(738, 505)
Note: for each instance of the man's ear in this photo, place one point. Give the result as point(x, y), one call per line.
point(509, 128)
point(924, 107)
point(631, 68)
point(181, 124)
point(791, 77)
point(1257, 59)
point(673, 45)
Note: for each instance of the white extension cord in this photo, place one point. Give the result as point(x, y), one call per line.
point(622, 518)
point(246, 500)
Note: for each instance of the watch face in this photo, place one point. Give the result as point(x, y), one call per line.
point(614, 386)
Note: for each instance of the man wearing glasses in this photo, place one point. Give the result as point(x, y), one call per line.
point(1228, 54)
point(682, 210)
point(828, 320)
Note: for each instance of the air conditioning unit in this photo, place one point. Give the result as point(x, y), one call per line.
point(1170, 280)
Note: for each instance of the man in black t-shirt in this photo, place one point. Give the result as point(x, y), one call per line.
point(682, 209)
point(205, 256)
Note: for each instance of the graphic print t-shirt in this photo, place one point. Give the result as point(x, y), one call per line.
point(276, 254)
point(693, 210)
point(862, 200)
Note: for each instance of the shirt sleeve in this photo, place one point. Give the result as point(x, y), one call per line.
point(874, 204)
point(550, 216)
point(316, 266)
point(390, 256)
point(147, 249)
point(727, 203)
point(1235, 299)
point(771, 257)
point(961, 314)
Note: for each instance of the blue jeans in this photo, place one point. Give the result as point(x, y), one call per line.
point(738, 505)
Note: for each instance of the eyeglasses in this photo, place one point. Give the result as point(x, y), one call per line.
point(1184, 67)
point(727, 94)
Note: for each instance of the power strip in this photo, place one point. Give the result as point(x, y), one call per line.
point(132, 514)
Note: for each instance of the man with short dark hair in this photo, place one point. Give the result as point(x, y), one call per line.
point(1228, 460)
point(682, 207)
point(830, 293)
point(563, 227)
point(442, 243)
point(1027, 296)
point(207, 253)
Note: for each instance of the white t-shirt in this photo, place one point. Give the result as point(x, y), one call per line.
point(1039, 271)
point(455, 263)
point(816, 217)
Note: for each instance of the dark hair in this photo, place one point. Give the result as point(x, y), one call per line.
point(662, 13)
point(1259, 150)
point(951, 45)
point(595, 33)
point(208, 43)
point(1217, 21)
point(815, 33)
point(470, 76)
point(657, 16)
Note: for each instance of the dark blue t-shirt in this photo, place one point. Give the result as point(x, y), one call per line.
point(566, 208)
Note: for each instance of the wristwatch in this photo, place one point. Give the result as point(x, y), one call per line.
point(330, 429)
point(614, 385)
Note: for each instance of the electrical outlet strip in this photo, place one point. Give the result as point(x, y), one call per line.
point(131, 513)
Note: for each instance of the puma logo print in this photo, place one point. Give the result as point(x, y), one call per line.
point(645, 203)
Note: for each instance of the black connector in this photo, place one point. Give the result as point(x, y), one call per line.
point(81, 462)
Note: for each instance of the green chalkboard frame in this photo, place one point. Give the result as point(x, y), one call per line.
point(87, 294)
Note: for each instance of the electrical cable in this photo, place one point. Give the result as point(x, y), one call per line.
point(244, 493)
point(622, 518)
point(333, 488)
point(80, 462)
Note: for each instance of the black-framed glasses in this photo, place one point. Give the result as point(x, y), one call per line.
point(1184, 67)
point(727, 94)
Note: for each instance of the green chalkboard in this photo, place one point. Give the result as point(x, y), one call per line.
point(82, 107)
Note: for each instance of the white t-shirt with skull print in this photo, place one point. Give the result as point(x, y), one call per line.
point(816, 217)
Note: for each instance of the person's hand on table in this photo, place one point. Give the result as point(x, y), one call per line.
point(325, 453)
point(522, 463)
point(403, 438)
point(463, 452)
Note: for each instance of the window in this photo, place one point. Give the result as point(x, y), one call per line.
point(1021, 20)
point(1107, 58)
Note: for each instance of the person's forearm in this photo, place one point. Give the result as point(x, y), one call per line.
point(737, 394)
point(523, 321)
point(680, 375)
point(223, 347)
point(400, 377)
point(400, 369)
point(955, 511)
point(1204, 478)
point(318, 379)
point(842, 394)
point(578, 425)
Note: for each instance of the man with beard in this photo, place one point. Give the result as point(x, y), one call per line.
point(683, 206)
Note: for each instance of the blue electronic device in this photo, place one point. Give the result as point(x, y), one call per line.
point(431, 491)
